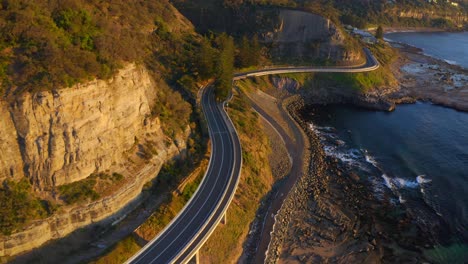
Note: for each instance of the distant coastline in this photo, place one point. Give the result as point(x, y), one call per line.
point(389, 30)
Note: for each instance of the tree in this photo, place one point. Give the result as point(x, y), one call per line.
point(255, 51)
point(206, 59)
point(225, 66)
point(379, 32)
point(244, 57)
point(249, 52)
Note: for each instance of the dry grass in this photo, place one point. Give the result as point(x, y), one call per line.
point(225, 244)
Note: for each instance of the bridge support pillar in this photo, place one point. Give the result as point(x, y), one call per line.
point(224, 219)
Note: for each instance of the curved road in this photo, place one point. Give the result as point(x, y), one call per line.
point(182, 238)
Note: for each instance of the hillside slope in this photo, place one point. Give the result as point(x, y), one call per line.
point(90, 111)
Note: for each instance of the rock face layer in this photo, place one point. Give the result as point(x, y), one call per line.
point(306, 35)
point(65, 135)
point(58, 137)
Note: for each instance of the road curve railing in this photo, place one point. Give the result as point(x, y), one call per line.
point(370, 65)
point(181, 239)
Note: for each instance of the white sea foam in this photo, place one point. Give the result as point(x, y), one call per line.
point(371, 160)
point(451, 62)
point(421, 179)
point(350, 156)
point(327, 128)
point(312, 127)
point(401, 199)
point(399, 183)
point(340, 142)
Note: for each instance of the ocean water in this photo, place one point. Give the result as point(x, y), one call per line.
point(448, 46)
point(418, 153)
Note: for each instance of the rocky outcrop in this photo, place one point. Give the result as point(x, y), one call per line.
point(11, 165)
point(329, 94)
point(54, 138)
point(306, 35)
point(65, 135)
point(458, 18)
point(299, 26)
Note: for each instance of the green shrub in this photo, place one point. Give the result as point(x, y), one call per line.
point(79, 191)
point(18, 206)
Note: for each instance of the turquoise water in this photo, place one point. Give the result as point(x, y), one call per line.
point(451, 47)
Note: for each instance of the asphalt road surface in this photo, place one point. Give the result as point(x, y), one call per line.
point(190, 229)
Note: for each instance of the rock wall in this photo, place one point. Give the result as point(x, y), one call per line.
point(58, 137)
point(330, 94)
point(65, 135)
point(11, 163)
point(299, 26)
point(306, 35)
point(459, 18)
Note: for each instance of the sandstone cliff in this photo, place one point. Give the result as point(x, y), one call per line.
point(55, 138)
point(65, 135)
point(458, 18)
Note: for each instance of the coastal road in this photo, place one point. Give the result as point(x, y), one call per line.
point(371, 64)
point(188, 231)
point(181, 239)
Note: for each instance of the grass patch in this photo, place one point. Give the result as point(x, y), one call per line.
point(361, 82)
point(89, 189)
point(79, 191)
point(122, 251)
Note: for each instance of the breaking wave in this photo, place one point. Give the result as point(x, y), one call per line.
point(399, 183)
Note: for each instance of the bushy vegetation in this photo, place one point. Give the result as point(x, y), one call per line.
point(249, 52)
point(53, 44)
point(19, 206)
point(238, 17)
point(173, 111)
point(89, 189)
point(121, 252)
point(79, 191)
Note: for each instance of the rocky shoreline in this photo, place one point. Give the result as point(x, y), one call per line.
point(424, 78)
point(331, 215)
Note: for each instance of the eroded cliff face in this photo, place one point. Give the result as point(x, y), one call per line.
point(64, 135)
point(11, 163)
point(458, 18)
point(55, 138)
point(302, 34)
